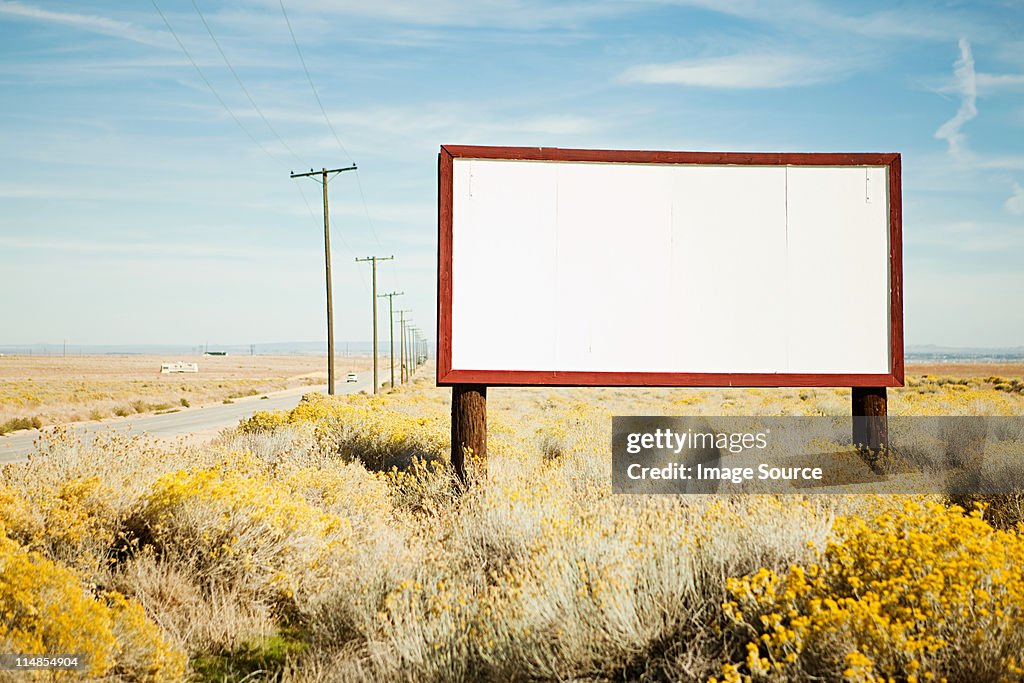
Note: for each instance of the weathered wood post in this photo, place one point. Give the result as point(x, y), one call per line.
point(870, 422)
point(469, 425)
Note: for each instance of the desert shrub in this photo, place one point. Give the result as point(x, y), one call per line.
point(144, 653)
point(263, 421)
point(16, 423)
point(47, 610)
point(917, 592)
point(202, 618)
point(1002, 511)
point(345, 489)
point(548, 576)
point(243, 393)
point(423, 487)
point(74, 522)
point(243, 531)
point(368, 430)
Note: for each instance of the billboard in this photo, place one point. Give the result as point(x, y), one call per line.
point(571, 267)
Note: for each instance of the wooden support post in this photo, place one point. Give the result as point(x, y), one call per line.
point(870, 421)
point(469, 425)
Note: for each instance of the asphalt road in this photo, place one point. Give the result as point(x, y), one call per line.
point(202, 419)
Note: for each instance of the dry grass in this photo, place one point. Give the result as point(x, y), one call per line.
point(967, 370)
point(50, 390)
point(290, 550)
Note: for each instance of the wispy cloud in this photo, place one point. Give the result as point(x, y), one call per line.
point(382, 130)
point(966, 84)
point(149, 250)
point(747, 71)
point(87, 22)
point(997, 81)
point(987, 83)
point(506, 14)
point(974, 236)
point(812, 18)
point(1015, 204)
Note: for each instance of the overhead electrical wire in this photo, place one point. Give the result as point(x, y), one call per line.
point(339, 234)
point(313, 87)
point(327, 119)
point(248, 133)
point(241, 85)
point(270, 126)
point(210, 85)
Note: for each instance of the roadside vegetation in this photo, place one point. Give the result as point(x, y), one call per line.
point(331, 543)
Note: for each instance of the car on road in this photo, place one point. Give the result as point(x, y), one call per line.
point(352, 377)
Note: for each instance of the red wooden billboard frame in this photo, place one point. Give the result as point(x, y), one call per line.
point(447, 376)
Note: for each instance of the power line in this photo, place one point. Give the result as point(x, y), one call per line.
point(341, 238)
point(210, 85)
point(366, 209)
point(310, 79)
point(242, 85)
point(358, 182)
point(231, 113)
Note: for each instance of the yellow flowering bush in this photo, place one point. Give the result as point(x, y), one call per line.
point(371, 430)
point(74, 522)
point(345, 489)
point(916, 592)
point(337, 528)
point(234, 529)
point(45, 610)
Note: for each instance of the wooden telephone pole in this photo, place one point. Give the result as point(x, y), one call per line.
point(402, 354)
point(391, 329)
point(324, 173)
point(373, 261)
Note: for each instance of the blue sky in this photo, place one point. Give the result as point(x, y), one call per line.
point(137, 207)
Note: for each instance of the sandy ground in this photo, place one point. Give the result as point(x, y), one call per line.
point(58, 390)
point(966, 370)
point(121, 368)
point(93, 388)
point(80, 392)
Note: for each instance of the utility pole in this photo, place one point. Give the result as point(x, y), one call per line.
point(323, 173)
point(401, 327)
point(373, 261)
point(391, 330)
point(410, 361)
point(413, 336)
point(416, 341)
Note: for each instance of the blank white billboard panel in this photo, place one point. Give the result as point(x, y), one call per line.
point(593, 272)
